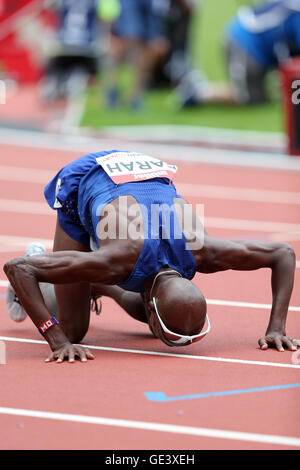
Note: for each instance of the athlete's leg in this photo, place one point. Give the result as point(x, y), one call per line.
point(73, 300)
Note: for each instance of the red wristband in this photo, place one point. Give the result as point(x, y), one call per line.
point(47, 324)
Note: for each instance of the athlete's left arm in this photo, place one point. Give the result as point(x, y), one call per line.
point(220, 255)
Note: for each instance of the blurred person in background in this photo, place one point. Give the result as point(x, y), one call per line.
point(75, 54)
point(258, 39)
point(138, 39)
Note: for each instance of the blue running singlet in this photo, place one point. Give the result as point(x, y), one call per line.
point(82, 188)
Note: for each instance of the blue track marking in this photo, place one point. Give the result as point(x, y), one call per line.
point(161, 396)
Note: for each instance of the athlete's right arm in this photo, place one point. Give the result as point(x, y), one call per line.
point(65, 267)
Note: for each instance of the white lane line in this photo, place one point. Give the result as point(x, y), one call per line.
point(158, 427)
point(232, 303)
point(222, 303)
point(162, 354)
point(33, 175)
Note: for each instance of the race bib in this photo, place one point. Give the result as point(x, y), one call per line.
point(126, 167)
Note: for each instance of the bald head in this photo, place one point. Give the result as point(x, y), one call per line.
point(181, 306)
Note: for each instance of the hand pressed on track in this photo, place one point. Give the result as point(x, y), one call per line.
point(278, 341)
